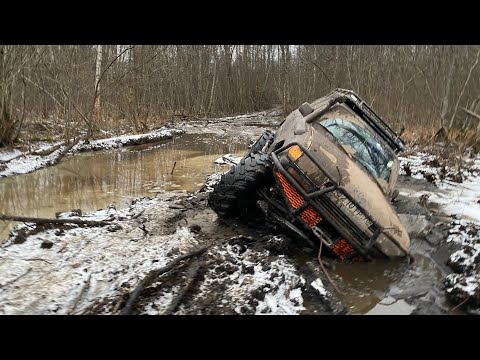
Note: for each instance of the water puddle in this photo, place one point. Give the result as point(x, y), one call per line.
point(380, 287)
point(91, 181)
point(365, 284)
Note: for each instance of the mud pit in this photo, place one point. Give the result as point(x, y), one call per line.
point(249, 268)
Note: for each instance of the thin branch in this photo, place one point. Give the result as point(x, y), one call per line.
point(191, 276)
point(319, 68)
point(43, 89)
point(430, 93)
point(82, 292)
point(463, 89)
point(127, 310)
point(108, 67)
point(458, 305)
point(470, 112)
point(135, 294)
point(16, 279)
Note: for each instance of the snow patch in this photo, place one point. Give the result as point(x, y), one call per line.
point(318, 285)
point(7, 155)
point(228, 159)
point(29, 163)
point(85, 264)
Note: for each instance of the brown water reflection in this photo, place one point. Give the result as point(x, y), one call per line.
point(91, 181)
point(365, 284)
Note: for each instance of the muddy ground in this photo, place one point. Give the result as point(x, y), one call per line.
point(249, 268)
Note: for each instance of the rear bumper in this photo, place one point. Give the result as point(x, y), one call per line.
point(318, 201)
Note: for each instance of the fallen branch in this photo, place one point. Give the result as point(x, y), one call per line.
point(469, 112)
point(191, 276)
point(38, 259)
point(41, 221)
point(441, 133)
point(83, 290)
point(458, 305)
point(138, 214)
point(43, 152)
point(135, 294)
point(17, 278)
point(127, 310)
point(64, 151)
point(47, 151)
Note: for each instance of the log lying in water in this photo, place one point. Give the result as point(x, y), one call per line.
point(39, 221)
point(47, 151)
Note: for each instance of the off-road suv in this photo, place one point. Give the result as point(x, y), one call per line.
point(328, 174)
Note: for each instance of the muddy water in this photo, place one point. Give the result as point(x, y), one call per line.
point(363, 285)
point(91, 181)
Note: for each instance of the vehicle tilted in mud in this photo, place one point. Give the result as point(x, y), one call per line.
point(327, 175)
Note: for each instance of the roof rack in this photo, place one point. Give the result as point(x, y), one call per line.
point(357, 104)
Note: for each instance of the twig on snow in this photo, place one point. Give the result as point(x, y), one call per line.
point(17, 278)
point(82, 292)
point(191, 276)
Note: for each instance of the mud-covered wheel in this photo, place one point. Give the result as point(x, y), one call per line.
point(236, 193)
point(258, 145)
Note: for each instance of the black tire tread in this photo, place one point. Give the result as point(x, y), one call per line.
point(260, 143)
point(236, 192)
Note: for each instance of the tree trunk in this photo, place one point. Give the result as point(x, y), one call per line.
point(447, 92)
point(98, 69)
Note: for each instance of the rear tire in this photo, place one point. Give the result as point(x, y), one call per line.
point(235, 194)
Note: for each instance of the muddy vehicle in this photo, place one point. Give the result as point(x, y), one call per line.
point(327, 175)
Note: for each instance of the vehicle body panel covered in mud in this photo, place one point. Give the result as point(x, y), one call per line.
point(364, 199)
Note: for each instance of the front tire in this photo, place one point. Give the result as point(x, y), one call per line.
point(258, 145)
point(235, 194)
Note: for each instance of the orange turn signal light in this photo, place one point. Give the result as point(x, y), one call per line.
point(295, 152)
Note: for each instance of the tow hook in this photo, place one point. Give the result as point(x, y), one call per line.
point(321, 235)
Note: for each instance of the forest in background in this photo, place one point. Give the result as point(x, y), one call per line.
point(70, 89)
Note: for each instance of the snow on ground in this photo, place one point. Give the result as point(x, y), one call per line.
point(126, 140)
point(465, 282)
point(85, 264)
point(210, 181)
point(29, 163)
point(7, 155)
point(228, 159)
point(462, 201)
point(252, 281)
point(260, 114)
